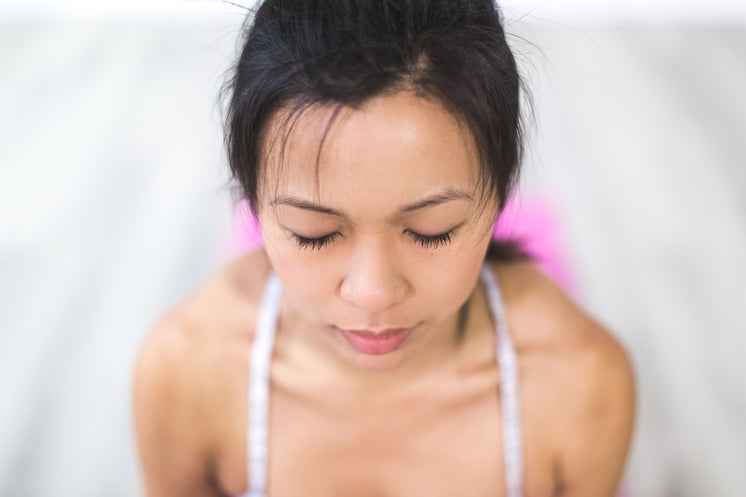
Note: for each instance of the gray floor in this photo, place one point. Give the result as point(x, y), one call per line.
point(113, 204)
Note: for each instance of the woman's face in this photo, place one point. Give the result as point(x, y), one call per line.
point(386, 235)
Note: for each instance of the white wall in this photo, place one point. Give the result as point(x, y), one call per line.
point(561, 11)
point(632, 11)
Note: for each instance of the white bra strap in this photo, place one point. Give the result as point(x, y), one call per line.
point(261, 356)
point(508, 363)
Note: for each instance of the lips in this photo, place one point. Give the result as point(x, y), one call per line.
point(377, 342)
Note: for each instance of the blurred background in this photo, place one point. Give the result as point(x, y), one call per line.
point(115, 204)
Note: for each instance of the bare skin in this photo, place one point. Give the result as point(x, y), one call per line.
point(388, 232)
point(438, 435)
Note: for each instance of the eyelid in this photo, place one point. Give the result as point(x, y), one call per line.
point(434, 241)
point(314, 243)
point(451, 231)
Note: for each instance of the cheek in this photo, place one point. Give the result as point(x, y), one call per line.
point(444, 288)
point(307, 283)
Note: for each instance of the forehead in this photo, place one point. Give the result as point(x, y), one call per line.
point(394, 147)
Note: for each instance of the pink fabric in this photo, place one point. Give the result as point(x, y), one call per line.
point(246, 234)
point(534, 223)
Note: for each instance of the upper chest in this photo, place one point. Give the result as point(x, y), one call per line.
point(445, 441)
point(426, 446)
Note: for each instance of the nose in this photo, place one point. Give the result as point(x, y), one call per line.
point(373, 283)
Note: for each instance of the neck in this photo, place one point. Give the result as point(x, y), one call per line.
point(304, 348)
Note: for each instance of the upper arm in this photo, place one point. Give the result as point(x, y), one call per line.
point(600, 421)
point(172, 451)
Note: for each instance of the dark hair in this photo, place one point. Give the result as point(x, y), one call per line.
point(300, 53)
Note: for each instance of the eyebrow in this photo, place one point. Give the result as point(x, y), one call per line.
point(441, 197)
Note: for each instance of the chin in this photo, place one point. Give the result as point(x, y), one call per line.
point(377, 363)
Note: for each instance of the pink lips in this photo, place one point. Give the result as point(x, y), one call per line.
point(377, 343)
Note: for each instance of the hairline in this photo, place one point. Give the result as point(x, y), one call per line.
point(294, 109)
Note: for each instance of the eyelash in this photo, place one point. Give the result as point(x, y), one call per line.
point(436, 241)
point(314, 243)
point(427, 242)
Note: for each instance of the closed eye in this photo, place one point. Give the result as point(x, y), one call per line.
point(434, 241)
point(314, 243)
point(425, 241)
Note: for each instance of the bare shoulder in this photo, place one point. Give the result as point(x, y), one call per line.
point(174, 456)
point(546, 318)
point(579, 372)
point(189, 366)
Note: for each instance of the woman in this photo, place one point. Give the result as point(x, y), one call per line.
point(379, 345)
